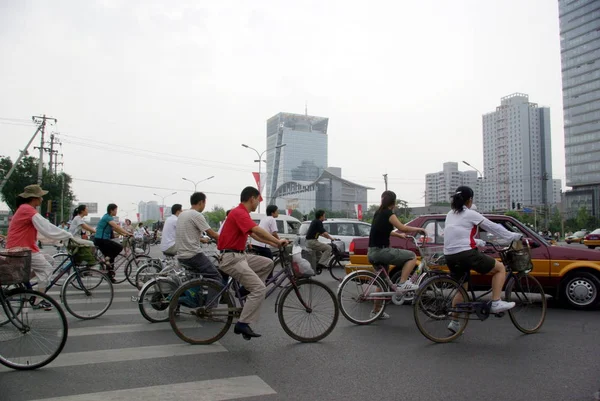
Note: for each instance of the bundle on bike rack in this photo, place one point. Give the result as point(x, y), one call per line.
point(517, 257)
point(434, 255)
point(81, 254)
point(15, 266)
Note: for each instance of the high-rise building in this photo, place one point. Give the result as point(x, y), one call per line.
point(149, 211)
point(580, 57)
point(557, 191)
point(304, 156)
point(517, 156)
point(440, 186)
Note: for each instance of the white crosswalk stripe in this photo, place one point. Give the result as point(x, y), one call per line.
point(205, 390)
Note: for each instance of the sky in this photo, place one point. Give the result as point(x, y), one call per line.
point(148, 92)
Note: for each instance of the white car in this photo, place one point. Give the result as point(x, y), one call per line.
point(344, 229)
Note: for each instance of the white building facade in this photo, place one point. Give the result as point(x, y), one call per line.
point(440, 186)
point(517, 155)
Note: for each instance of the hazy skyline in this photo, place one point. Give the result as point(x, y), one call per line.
point(404, 86)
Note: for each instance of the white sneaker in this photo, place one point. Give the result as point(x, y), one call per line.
point(454, 326)
point(406, 287)
point(383, 316)
point(501, 306)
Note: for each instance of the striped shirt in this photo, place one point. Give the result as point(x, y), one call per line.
point(190, 226)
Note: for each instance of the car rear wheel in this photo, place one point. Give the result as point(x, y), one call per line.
point(580, 290)
point(591, 247)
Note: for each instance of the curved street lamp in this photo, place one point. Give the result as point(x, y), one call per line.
point(260, 161)
point(197, 182)
point(163, 202)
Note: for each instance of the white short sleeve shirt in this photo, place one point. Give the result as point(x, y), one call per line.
point(268, 223)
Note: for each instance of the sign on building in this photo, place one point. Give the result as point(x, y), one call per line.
point(91, 206)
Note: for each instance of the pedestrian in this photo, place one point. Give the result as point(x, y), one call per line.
point(249, 270)
point(23, 231)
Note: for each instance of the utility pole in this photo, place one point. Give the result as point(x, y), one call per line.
point(23, 152)
point(53, 166)
point(43, 131)
point(385, 181)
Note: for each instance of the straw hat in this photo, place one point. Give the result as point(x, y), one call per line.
point(33, 191)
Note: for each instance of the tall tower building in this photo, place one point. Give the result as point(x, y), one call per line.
point(580, 56)
point(304, 156)
point(440, 186)
point(517, 157)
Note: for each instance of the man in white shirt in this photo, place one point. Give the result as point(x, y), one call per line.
point(269, 224)
point(167, 242)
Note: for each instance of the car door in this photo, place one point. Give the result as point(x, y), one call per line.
point(539, 252)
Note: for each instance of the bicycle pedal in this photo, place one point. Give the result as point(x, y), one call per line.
point(134, 298)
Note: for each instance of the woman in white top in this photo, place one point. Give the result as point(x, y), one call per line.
point(460, 248)
point(77, 224)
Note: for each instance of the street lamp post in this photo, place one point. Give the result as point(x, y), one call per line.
point(474, 168)
point(260, 161)
point(163, 202)
point(197, 182)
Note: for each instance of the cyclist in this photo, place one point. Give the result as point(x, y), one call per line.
point(270, 224)
point(23, 231)
point(460, 249)
point(250, 270)
point(104, 234)
point(380, 253)
point(77, 223)
point(191, 225)
point(167, 243)
point(315, 230)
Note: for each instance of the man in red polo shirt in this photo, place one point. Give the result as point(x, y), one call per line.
point(250, 270)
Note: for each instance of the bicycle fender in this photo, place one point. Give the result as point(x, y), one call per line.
point(155, 280)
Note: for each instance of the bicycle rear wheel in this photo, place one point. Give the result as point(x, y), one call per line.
point(196, 315)
point(433, 309)
point(315, 321)
point(355, 297)
point(87, 294)
point(33, 337)
point(527, 293)
point(148, 271)
point(57, 261)
point(155, 298)
point(132, 267)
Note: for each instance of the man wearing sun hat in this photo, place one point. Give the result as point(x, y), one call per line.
point(24, 228)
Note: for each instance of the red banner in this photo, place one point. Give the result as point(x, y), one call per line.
point(162, 212)
point(359, 214)
point(258, 184)
point(138, 216)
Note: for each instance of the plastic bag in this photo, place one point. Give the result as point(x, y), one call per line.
point(301, 266)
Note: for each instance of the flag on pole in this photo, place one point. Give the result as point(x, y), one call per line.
point(260, 182)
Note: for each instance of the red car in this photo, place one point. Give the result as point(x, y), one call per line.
point(569, 274)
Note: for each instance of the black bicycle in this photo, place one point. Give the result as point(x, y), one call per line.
point(334, 261)
point(202, 311)
point(434, 310)
point(30, 336)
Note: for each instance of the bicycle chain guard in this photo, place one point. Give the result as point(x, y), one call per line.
point(481, 309)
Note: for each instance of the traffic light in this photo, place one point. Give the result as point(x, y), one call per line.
point(54, 206)
point(513, 205)
point(519, 205)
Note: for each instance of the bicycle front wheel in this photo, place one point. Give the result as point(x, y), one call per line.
point(356, 297)
point(196, 313)
point(148, 271)
point(336, 269)
point(33, 337)
point(433, 310)
point(87, 294)
point(308, 312)
point(155, 298)
point(529, 312)
point(133, 266)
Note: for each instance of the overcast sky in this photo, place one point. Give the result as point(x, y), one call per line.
point(148, 92)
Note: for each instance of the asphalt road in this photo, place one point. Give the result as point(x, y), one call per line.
point(121, 356)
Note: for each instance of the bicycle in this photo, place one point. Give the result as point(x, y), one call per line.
point(361, 291)
point(335, 260)
point(87, 293)
point(30, 337)
point(201, 311)
point(433, 308)
point(129, 260)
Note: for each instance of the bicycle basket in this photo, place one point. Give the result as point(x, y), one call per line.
point(81, 254)
point(434, 255)
point(518, 260)
point(15, 266)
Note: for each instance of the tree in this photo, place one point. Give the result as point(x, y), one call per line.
point(514, 214)
point(215, 216)
point(26, 174)
point(297, 214)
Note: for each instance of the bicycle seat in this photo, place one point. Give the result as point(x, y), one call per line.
point(170, 254)
point(379, 266)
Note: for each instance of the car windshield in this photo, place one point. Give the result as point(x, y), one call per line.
point(579, 234)
point(596, 231)
point(293, 227)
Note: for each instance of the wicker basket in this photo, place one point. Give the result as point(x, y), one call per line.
point(518, 260)
point(15, 266)
point(434, 255)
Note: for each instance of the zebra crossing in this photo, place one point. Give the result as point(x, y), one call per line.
point(122, 344)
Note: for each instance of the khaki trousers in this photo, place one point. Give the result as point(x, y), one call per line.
point(251, 271)
point(316, 245)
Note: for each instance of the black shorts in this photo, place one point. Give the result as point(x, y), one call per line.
point(463, 262)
